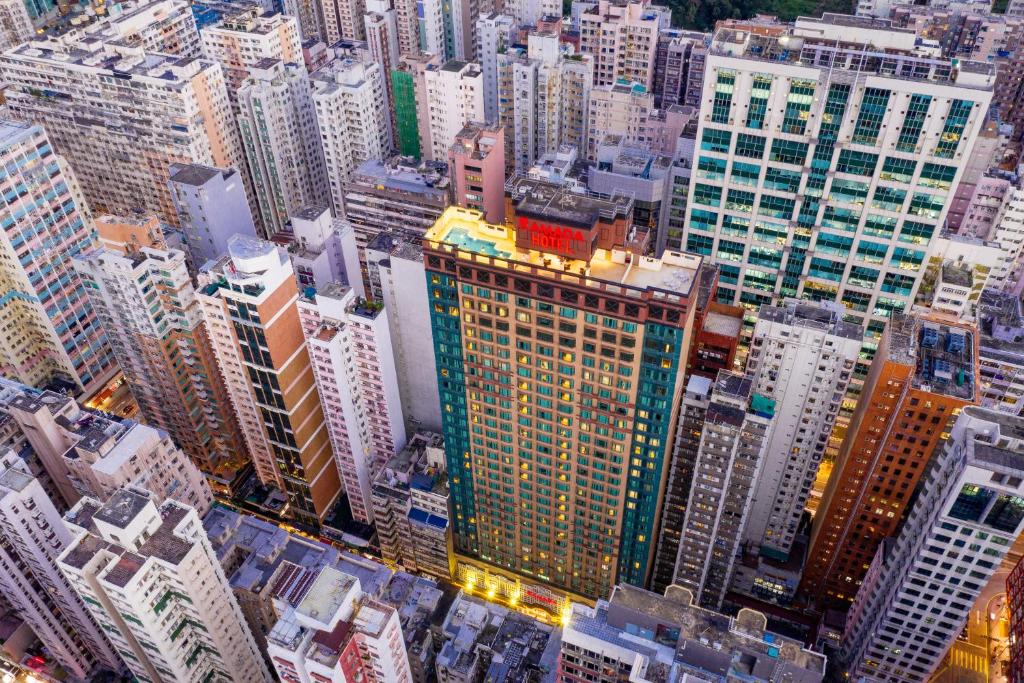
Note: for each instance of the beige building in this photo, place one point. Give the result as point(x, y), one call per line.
point(623, 39)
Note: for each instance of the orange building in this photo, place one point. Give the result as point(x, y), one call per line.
point(925, 371)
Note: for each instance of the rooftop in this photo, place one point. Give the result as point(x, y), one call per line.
point(122, 507)
point(196, 175)
point(814, 315)
point(326, 595)
point(465, 231)
point(405, 175)
point(943, 355)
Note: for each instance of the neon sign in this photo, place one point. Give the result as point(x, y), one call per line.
point(549, 237)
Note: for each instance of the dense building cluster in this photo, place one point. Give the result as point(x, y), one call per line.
point(349, 341)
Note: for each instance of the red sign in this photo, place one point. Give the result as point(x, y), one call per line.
point(549, 237)
point(540, 598)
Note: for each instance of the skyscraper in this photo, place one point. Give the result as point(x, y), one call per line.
point(623, 39)
point(177, 111)
point(824, 166)
point(153, 320)
point(211, 207)
point(249, 303)
point(149, 575)
point(277, 122)
point(548, 328)
point(32, 536)
point(925, 372)
point(349, 343)
point(455, 97)
point(50, 331)
point(922, 585)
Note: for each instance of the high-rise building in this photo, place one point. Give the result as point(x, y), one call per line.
point(126, 234)
point(349, 344)
point(919, 591)
point(410, 507)
point(397, 195)
point(343, 20)
point(543, 98)
point(244, 39)
point(331, 630)
point(454, 97)
point(50, 331)
point(166, 26)
point(1015, 606)
point(249, 303)
point(538, 326)
point(495, 33)
point(635, 170)
point(211, 207)
point(322, 249)
point(621, 109)
point(801, 357)
point(150, 577)
point(147, 304)
point(623, 39)
point(1001, 352)
point(799, 125)
point(409, 100)
point(352, 114)
point(645, 637)
point(397, 277)
point(277, 122)
point(15, 24)
point(674, 65)
point(32, 536)
point(924, 373)
point(530, 12)
point(85, 453)
point(477, 170)
point(726, 466)
point(176, 111)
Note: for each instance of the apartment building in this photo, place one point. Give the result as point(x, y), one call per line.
point(517, 331)
point(394, 195)
point(86, 453)
point(623, 39)
point(349, 343)
point(397, 277)
point(737, 421)
point(33, 536)
point(924, 373)
point(278, 125)
point(211, 207)
point(477, 170)
point(543, 98)
point(622, 109)
point(410, 507)
point(147, 304)
point(150, 578)
point(15, 24)
point(105, 107)
point(249, 303)
point(863, 140)
point(242, 40)
point(454, 97)
point(801, 357)
point(331, 630)
point(50, 332)
point(495, 33)
point(352, 114)
point(166, 26)
point(920, 590)
point(1001, 352)
point(342, 20)
point(530, 12)
point(409, 100)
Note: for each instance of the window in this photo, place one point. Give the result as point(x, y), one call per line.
point(760, 89)
point(789, 152)
point(745, 174)
point(716, 140)
point(857, 163)
point(723, 96)
point(751, 146)
point(798, 106)
point(956, 121)
point(898, 170)
point(913, 123)
point(872, 113)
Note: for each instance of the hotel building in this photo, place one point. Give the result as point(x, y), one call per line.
point(249, 303)
point(560, 357)
point(50, 332)
point(924, 374)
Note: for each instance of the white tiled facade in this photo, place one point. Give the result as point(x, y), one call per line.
point(455, 97)
point(151, 578)
point(350, 349)
point(623, 38)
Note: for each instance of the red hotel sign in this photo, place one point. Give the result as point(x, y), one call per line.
point(551, 238)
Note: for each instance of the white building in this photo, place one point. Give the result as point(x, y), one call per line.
point(455, 97)
point(725, 472)
point(323, 250)
point(166, 26)
point(245, 39)
point(529, 12)
point(15, 24)
point(397, 266)
point(818, 180)
point(151, 578)
point(801, 357)
point(495, 33)
point(352, 113)
point(33, 536)
point(161, 108)
point(211, 207)
point(623, 109)
point(277, 122)
point(921, 587)
point(330, 631)
point(623, 39)
point(349, 343)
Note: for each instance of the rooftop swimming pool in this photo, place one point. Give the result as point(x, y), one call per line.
point(460, 236)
